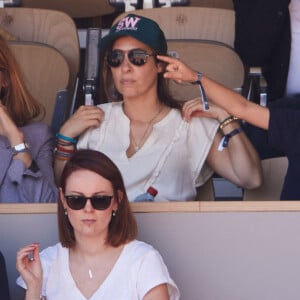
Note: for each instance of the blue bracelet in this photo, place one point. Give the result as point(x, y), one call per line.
point(225, 140)
point(66, 138)
point(202, 92)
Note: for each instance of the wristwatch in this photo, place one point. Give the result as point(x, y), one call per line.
point(23, 147)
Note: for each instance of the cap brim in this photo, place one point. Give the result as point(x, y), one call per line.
point(108, 40)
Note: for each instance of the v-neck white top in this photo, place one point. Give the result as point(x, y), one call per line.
point(172, 160)
point(138, 269)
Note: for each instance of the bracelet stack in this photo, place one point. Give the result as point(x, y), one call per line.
point(227, 121)
point(62, 150)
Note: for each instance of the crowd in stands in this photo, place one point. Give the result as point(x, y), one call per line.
point(152, 128)
point(109, 155)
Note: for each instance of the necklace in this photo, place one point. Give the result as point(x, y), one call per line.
point(90, 274)
point(137, 146)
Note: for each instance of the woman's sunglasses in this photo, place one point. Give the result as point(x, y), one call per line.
point(137, 57)
point(77, 202)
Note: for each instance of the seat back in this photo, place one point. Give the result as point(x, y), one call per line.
point(192, 23)
point(215, 60)
point(75, 9)
point(49, 27)
point(206, 192)
point(228, 4)
point(45, 72)
point(274, 170)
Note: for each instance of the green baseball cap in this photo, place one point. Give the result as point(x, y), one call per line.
point(143, 29)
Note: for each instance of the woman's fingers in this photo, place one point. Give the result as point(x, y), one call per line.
point(177, 70)
point(25, 255)
point(36, 252)
point(29, 266)
point(31, 249)
point(88, 113)
point(85, 117)
point(192, 108)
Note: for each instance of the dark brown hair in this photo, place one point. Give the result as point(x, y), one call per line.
point(21, 105)
point(122, 227)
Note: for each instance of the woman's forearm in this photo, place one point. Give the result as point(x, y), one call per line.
point(222, 96)
point(33, 294)
point(235, 104)
point(238, 162)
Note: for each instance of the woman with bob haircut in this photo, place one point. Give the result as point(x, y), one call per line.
point(26, 145)
point(98, 256)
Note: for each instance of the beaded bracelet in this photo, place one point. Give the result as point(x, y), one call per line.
point(63, 149)
point(225, 140)
point(227, 121)
point(63, 153)
point(64, 143)
point(202, 92)
point(66, 138)
point(61, 156)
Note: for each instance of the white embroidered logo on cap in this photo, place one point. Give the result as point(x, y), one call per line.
point(128, 23)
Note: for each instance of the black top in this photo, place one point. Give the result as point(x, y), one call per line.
point(4, 289)
point(263, 39)
point(284, 134)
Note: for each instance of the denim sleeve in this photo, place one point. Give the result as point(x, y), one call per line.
point(36, 184)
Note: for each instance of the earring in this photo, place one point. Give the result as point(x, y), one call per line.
point(114, 213)
point(66, 212)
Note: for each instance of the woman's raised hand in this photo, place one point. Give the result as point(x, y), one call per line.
point(194, 108)
point(29, 266)
point(86, 116)
point(8, 128)
point(178, 70)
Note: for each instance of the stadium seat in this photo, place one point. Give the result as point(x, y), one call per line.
point(46, 75)
point(274, 170)
point(80, 9)
point(53, 28)
point(228, 4)
point(206, 192)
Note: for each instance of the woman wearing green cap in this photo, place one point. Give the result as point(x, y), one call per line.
point(144, 130)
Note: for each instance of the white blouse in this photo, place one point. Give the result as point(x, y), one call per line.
point(138, 269)
point(172, 160)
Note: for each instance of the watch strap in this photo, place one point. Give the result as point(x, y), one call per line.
point(20, 148)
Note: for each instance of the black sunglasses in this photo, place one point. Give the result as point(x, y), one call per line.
point(77, 202)
point(137, 57)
